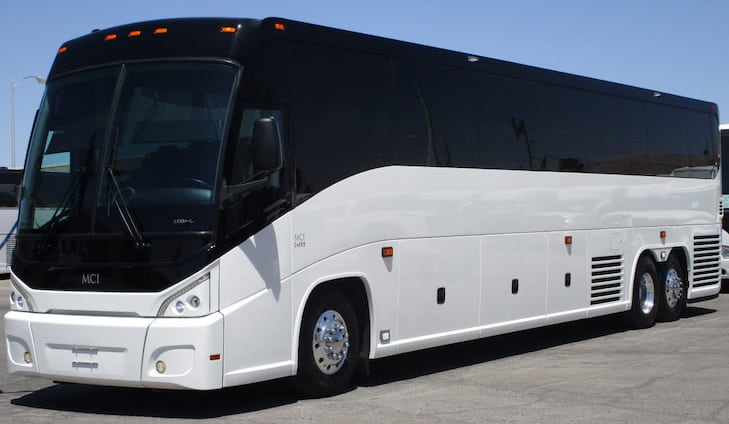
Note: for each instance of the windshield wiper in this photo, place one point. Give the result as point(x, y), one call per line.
point(63, 209)
point(126, 216)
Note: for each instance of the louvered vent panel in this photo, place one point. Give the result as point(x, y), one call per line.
point(707, 260)
point(607, 279)
point(9, 247)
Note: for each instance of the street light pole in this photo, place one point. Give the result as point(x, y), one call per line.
point(39, 80)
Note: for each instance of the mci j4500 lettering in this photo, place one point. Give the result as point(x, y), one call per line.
point(215, 202)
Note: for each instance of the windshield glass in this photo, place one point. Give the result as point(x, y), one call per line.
point(132, 144)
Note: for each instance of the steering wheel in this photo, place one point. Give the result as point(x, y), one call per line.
point(125, 193)
point(193, 183)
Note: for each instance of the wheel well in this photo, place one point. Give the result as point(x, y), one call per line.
point(352, 288)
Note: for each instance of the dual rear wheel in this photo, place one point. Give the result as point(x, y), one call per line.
point(657, 296)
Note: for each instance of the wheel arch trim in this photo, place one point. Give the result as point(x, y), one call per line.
point(323, 283)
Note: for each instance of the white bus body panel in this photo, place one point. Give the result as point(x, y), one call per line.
point(469, 232)
point(117, 351)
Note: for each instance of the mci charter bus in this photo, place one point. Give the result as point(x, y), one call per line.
point(214, 202)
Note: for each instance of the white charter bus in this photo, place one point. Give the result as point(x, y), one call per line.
point(215, 202)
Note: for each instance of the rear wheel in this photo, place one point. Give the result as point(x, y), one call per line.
point(672, 291)
point(328, 345)
point(642, 313)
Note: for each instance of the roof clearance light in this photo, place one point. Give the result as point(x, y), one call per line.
point(227, 29)
point(160, 30)
point(135, 33)
point(110, 37)
point(279, 26)
point(63, 49)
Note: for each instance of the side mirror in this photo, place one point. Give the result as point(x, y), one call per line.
point(265, 147)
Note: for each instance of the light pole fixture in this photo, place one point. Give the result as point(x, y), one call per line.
point(39, 80)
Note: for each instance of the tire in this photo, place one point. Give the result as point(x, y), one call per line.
point(672, 290)
point(327, 367)
point(644, 309)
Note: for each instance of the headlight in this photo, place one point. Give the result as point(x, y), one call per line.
point(19, 300)
point(192, 300)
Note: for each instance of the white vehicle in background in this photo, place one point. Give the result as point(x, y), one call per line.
point(724, 128)
point(9, 188)
point(724, 257)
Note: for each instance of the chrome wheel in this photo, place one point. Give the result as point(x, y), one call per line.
point(330, 343)
point(647, 293)
point(674, 287)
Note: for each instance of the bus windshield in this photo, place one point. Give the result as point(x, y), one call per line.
point(128, 149)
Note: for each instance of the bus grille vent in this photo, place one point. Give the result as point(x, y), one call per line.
point(9, 247)
point(707, 260)
point(607, 279)
point(721, 207)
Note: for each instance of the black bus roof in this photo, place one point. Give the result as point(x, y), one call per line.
point(236, 39)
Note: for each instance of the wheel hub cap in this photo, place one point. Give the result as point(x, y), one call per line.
point(674, 288)
point(647, 293)
point(331, 342)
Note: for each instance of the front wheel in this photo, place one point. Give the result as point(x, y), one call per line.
point(672, 291)
point(642, 313)
point(328, 345)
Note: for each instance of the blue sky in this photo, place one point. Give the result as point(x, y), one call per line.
point(666, 45)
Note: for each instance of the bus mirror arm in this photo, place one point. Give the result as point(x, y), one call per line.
point(260, 181)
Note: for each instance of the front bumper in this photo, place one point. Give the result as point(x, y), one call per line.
point(117, 351)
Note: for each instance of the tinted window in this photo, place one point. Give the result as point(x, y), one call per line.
point(509, 123)
point(344, 123)
point(571, 130)
point(679, 142)
point(359, 111)
point(443, 113)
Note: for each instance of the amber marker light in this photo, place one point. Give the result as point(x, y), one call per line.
point(135, 33)
point(663, 234)
point(215, 357)
point(160, 31)
point(63, 49)
point(388, 252)
point(279, 26)
point(110, 37)
point(567, 239)
point(227, 29)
